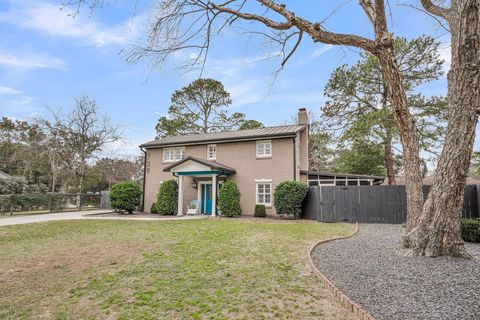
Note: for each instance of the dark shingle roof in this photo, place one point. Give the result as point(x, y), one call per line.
point(240, 135)
point(212, 165)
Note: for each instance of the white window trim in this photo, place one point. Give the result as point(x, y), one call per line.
point(174, 149)
point(208, 152)
point(263, 156)
point(263, 181)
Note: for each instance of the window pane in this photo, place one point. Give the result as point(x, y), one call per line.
point(260, 188)
point(267, 188)
point(267, 198)
point(260, 198)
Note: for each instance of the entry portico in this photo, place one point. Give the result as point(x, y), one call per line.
point(203, 172)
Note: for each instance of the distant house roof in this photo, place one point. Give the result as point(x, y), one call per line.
point(212, 165)
point(227, 136)
point(342, 175)
point(3, 175)
point(428, 181)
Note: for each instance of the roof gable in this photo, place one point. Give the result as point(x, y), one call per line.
point(191, 164)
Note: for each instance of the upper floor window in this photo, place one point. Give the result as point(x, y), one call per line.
point(212, 152)
point(173, 154)
point(264, 149)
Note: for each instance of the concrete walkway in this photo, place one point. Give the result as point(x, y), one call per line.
point(9, 221)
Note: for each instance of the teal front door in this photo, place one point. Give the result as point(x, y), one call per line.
point(207, 199)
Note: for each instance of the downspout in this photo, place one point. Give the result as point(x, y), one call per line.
point(294, 160)
point(144, 176)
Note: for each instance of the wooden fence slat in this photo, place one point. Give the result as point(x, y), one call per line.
point(371, 204)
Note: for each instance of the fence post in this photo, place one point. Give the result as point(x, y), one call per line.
point(50, 207)
point(12, 200)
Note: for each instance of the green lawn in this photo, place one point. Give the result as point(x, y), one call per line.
point(197, 269)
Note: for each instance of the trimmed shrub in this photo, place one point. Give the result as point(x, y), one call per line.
point(471, 230)
point(167, 198)
point(260, 211)
point(125, 196)
point(153, 208)
point(229, 199)
point(288, 198)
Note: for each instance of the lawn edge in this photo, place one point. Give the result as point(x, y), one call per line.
point(354, 308)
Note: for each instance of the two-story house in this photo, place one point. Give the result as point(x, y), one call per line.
point(257, 160)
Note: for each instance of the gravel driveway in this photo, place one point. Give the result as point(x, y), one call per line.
point(366, 268)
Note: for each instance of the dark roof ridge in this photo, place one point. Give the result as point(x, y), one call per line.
point(247, 134)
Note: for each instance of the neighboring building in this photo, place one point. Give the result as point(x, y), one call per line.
point(257, 160)
point(428, 181)
point(3, 175)
point(341, 179)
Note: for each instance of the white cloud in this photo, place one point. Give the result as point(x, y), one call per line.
point(25, 100)
point(316, 54)
point(58, 21)
point(246, 92)
point(7, 90)
point(30, 61)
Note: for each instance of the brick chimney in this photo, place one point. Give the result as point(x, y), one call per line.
point(302, 117)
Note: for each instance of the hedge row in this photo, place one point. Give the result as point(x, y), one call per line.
point(32, 202)
point(471, 230)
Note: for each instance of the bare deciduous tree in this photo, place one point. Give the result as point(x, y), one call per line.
point(81, 134)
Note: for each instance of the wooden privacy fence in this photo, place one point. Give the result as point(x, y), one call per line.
point(371, 204)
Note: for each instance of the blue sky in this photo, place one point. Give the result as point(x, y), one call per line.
point(47, 58)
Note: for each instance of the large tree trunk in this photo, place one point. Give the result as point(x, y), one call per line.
point(388, 155)
point(407, 128)
point(438, 231)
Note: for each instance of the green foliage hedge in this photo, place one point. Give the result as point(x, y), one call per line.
point(153, 208)
point(19, 185)
point(229, 199)
point(260, 211)
point(471, 230)
point(32, 202)
point(288, 197)
point(125, 196)
point(167, 198)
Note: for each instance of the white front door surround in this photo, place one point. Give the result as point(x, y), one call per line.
point(180, 196)
point(214, 195)
point(213, 181)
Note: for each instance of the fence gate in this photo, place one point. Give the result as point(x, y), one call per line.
point(370, 204)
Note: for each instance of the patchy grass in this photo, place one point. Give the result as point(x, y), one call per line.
point(198, 269)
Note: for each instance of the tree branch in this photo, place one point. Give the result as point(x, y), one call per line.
point(436, 10)
point(369, 10)
point(315, 30)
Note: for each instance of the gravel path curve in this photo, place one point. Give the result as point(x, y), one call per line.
point(366, 268)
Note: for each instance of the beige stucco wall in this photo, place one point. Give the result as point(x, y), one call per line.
point(242, 157)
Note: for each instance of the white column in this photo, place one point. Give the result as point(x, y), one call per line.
point(214, 195)
point(180, 196)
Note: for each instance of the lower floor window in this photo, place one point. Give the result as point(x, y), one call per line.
point(264, 193)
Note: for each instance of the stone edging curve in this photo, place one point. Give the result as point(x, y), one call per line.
point(341, 297)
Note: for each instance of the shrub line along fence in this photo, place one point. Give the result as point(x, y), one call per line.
point(52, 202)
point(371, 204)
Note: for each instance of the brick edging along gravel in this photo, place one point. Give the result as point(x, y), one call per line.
point(341, 297)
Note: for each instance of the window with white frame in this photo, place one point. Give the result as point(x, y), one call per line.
point(264, 149)
point(173, 154)
point(212, 152)
point(264, 192)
